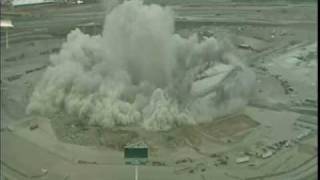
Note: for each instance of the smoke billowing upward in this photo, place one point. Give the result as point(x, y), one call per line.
point(139, 72)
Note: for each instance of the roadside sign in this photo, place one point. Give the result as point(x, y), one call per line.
point(136, 154)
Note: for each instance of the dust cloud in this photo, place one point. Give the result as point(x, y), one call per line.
point(138, 72)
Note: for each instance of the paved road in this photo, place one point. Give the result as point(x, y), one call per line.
point(24, 160)
point(21, 159)
point(301, 171)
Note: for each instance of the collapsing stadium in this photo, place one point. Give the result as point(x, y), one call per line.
point(196, 89)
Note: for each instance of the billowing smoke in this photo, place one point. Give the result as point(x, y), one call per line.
point(138, 72)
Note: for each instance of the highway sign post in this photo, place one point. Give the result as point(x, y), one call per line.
point(136, 154)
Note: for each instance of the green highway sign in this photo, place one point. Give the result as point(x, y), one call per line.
point(136, 154)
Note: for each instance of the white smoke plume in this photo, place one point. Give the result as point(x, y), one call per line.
point(138, 72)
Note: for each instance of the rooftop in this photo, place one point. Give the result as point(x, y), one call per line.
point(6, 23)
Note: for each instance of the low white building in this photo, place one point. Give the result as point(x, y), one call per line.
point(6, 23)
point(267, 154)
point(31, 2)
point(242, 159)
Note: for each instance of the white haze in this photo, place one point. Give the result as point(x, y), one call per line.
point(138, 72)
